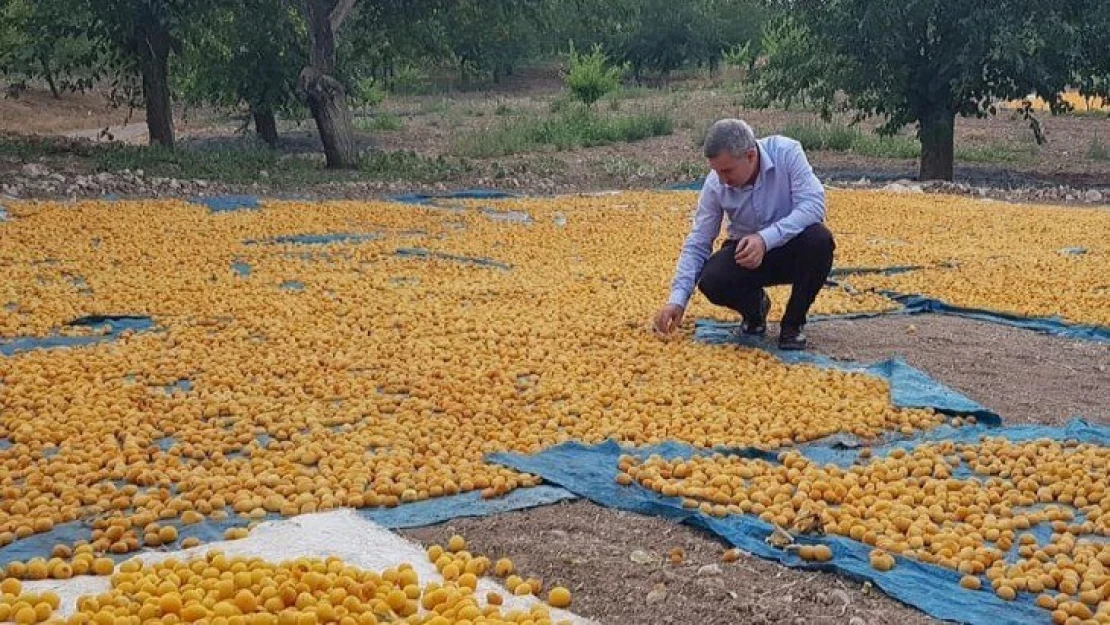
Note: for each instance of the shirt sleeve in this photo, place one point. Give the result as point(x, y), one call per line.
point(807, 197)
point(698, 245)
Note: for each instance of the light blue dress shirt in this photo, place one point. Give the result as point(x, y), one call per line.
point(786, 198)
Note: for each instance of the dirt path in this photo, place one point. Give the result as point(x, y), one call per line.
point(1024, 376)
point(586, 548)
point(134, 134)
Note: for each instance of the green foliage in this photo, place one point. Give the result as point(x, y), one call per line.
point(46, 40)
point(844, 138)
point(244, 166)
point(410, 79)
point(367, 92)
point(380, 122)
point(571, 129)
point(489, 38)
point(657, 37)
point(740, 56)
point(246, 52)
point(1097, 150)
point(590, 77)
point(926, 61)
point(997, 153)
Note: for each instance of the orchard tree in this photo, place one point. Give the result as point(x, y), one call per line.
point(140, 35)
point(386, 35)
point(326, 95)
point(1093, 74)
point(924, 62)
point(247, 52)
point(490, 37)
point(46, 40)
point(724, 25)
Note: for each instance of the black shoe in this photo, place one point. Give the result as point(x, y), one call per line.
point(758, 327)
point(791, 339)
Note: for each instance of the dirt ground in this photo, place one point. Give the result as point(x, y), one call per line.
point(432, 124)
point(587, 548)
point(1024, 376)
point(35, 111)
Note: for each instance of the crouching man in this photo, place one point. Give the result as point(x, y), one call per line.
point(776, 208)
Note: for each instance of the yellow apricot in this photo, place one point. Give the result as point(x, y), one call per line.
point(558, 597)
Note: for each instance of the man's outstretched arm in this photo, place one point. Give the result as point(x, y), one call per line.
point(697, 247)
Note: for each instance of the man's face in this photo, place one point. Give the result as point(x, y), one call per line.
point(734, 171)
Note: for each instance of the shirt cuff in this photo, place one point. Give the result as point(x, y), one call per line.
point(771, 236)
point(679, 297)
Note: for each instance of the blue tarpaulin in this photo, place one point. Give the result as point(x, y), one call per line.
point(227, 203)
point(590, 471)
point(1048, 325)
point(519, 217)
point(318, 239)
point(241, 269)
point(857, 271)
point(470, 504)
point(909, 387)
point(465, 194)
point(419, 514)
point(113, 326)
point(416, 252)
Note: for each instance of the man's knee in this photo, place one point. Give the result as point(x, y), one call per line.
point(817, 240)
point(713, 286)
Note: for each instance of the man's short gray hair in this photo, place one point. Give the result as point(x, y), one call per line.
point(734, 136)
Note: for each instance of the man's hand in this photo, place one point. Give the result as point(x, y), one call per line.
point(668, 318)
point(750, 251)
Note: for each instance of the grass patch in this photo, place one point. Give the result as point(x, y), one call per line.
point(408, 165)
point(380, 122)
point(834, 137)
point(433, 106)
point(886, 147)
point(1097, 150)
point(246, 166)
point(571, 129)
point(31, 147)
point(565, 101)
point(226, 165)
point(688, 171)
point(632, 93)
point(996, 153)
point(842, 138)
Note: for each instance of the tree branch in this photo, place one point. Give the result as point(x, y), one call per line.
point(339, 13)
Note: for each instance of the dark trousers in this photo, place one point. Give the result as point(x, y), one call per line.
point(804, 262)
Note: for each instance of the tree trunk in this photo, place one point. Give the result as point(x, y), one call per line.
point(266, 125)
point(936, 133)
point(327, 101)
point(154, 55)
point(326, 95)
point(49, 74)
